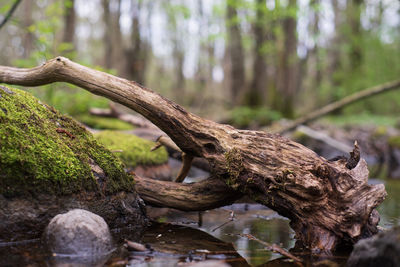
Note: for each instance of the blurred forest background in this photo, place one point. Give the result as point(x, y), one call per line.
point(238, 61)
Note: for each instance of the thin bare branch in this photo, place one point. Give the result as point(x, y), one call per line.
point(10, 13)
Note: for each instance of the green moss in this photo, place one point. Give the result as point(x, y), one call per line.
point(380, 131)
point(135, 150)
point(234, 167)
point(244, 116)
point(300, 137)
point(44, 151)
point(104, 123)
point(394, 141)
point(362, 119)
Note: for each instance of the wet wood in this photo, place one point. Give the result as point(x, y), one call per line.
point(328, 203)
point(208, 194)
point(187, 159)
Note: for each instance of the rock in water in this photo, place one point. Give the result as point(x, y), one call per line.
point(381, 250)
point(78, 233)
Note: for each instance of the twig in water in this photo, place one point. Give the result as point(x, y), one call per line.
point(231, 219)
point(272, 247)
point(136, 246)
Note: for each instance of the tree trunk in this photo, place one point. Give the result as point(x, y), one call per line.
point(179, 84)
point(355, 37)
point(335, 53)
point(235, 50)
point(107, 35)
point(28, 38)
point(256, 94)
point(69, 21)
point(288, 63)
point(137, 54)
point(328, 203)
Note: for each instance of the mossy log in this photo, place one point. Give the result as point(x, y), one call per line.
point(328, 203)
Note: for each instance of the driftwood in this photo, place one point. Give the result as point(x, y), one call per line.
point(207, 194)
point(340, 104)
point(328, 203)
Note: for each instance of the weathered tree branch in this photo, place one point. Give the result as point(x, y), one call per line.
point(207, 194)
point(340, 104)
point(328, 203)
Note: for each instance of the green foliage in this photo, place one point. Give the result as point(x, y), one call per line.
point(245, 116)
point(394, 141)
point(101, 123)
point(5, 7)
point(135, 150)
point(364, 118)
point(43, 151)
point(64, 97)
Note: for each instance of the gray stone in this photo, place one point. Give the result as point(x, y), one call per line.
point(78, 233)
point(381, 250)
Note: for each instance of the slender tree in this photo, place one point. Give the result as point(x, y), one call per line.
point(107, 37)
point(69, 21)
point(235, 50)
point(288, 62)
point(257, 91)
point(335, 55)
point(354, 36)
point(28, 37)
point(137, 54)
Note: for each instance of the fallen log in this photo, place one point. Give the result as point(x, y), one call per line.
point(358, 96)
point(329, 203)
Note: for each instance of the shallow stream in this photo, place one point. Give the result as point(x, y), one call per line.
point(178, 238)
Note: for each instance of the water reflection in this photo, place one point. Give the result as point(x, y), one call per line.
point(253, 219)
point(213, 231)
point(390, 208)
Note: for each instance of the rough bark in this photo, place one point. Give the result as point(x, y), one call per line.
point(328, 203)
